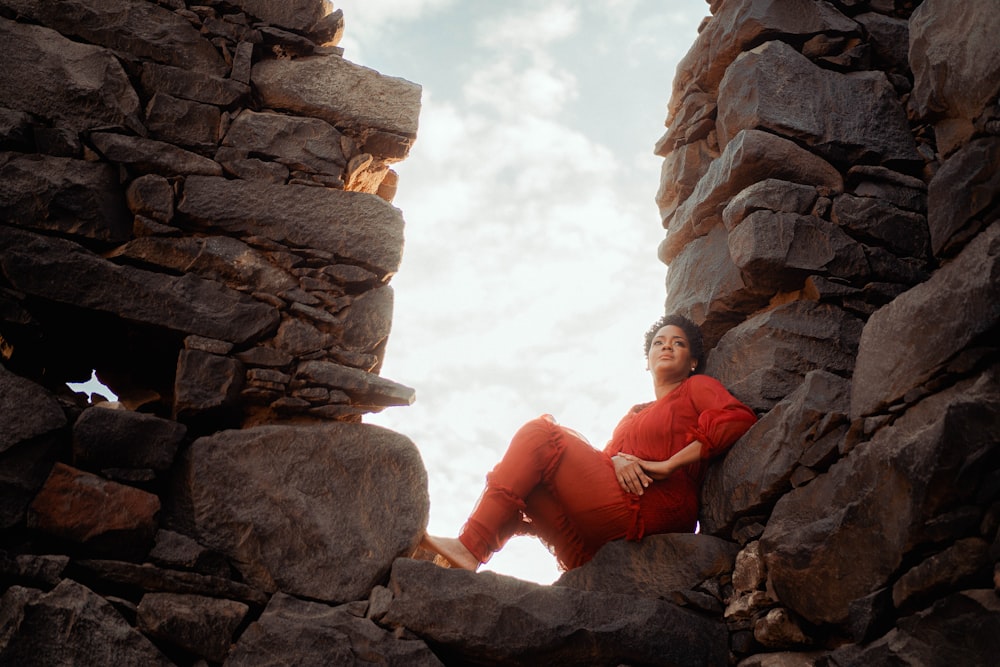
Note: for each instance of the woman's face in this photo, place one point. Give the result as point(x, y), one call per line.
point(669, 354)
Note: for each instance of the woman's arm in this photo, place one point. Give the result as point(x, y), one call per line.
point(691, 453)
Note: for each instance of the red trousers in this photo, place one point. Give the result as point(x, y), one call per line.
point(553, 484)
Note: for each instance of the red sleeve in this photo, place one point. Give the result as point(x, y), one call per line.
point(722, 419)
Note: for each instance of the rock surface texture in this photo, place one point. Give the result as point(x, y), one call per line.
point(195, 203)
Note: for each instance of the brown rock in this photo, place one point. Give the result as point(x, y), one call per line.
point(889, 38)
point(299, 15)
point(318, 511)
point(682, 169)
point(104, 516)
point(927, 461)
point(365, 388)
point(72, 625)
point(877, 222)
point(765, 358)
point(769, 195)
point(494, 619)
point(307, 144)
point(966, 562)
point(351, 225)
point(293, 631)
point(201, 625)
point(779, 629)
point(339, 92)
point(64, 272)
point(368, 320)
point(67, 196)
point(29, 410)
point(144, 30)
point(750, 157)
point(72, 85)
point(962, 299)
point(151, 196)
point(156, 157)
point(846, 118)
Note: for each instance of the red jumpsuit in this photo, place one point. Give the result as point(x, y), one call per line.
point(552, 483)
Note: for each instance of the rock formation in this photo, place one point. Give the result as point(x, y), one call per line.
point(195, 203)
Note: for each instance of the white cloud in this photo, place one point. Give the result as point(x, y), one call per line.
point(529, 30)
point(516, 86)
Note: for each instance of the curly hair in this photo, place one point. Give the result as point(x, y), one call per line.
point(690, 329)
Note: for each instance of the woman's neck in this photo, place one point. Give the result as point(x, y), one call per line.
point(666, 386)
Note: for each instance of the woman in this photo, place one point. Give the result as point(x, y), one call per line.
point(552, 483)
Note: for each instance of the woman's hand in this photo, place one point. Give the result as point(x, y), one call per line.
point(653, 470)
point(631, 476)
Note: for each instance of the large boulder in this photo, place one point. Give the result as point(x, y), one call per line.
point(961, 194)
point(71, 85)
point(293, 631)
point(29, 410)
point(494, 619)
point(104, 438)
point(308, 144)
point(316, 511)
point(877, 504)
point(351, 225)
point(846, 118)
point(960, 302)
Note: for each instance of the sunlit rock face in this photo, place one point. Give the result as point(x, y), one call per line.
point(196, 201)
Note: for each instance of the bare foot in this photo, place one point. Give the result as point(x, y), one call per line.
point(452, 551)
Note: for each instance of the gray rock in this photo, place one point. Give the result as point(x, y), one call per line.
point(72, 625)
point(147, 156)
point(146, 577)
point(658, 567)
point(29, 410)
point(350, 225)
point(183, 122)
point(104, 438)
point(770, 195)
point(298, 15)
point(206, 384)
point(339, 92)
point(877, 222)
point(846, 118)
point(929, 460)
point(739, 25)
point(704, 285)
point(317, 511)
point(364, 388)
point(750, 157)
point(964, 563)
point(307, 144)
point(765, 358)
point(960, 194)
point(494, 619)
point(681, 170)
point(72, 85)
point(201, 625)
point(368, 320)
point(71, 197)
point(140, 29)
point(961, 629)
point(64, 272)
point(313, 634)
point(890, 40)
point(757, 470)
point(191, 85)
point(962, 299)
point(955, 59)
point(776, 252)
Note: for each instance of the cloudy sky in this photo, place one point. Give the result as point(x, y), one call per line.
point(529, 273)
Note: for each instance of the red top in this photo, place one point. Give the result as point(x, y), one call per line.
point(699, 409)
